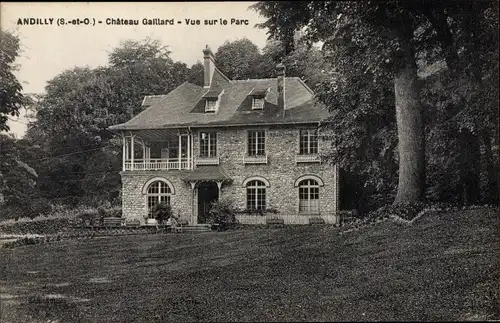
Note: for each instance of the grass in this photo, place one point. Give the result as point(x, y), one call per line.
point(443, 268)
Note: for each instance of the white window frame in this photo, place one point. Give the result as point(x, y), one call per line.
point(159, 195)
point(308, 187)
point(212, 136)
point(256, 142)
point(254, 192)
point(258, 106)
point(308, 142)
point(209, 107)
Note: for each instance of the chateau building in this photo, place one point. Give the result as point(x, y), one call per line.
point(253, 141)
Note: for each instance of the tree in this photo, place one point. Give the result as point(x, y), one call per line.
point(465, 97)
point(196, 74)
point(238, 59)
point(17, 180)
point(383, 40)
point(11, 97)
point(81, 161)
point(304, 61)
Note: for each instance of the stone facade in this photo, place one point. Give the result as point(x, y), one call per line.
point(281, 171)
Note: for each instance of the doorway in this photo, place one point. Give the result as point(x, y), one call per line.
point(208, 192)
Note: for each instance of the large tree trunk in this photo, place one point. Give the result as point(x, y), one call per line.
point(491, 192)
point(469, 166)
point(410, 129)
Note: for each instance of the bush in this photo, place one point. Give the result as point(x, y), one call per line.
point(222, 213)
point(162, 212)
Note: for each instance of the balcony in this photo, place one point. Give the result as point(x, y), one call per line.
point(259, 159)
point(200, 161)
point(157, 164)
point(307, 159)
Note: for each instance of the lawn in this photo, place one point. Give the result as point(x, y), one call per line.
point(444, 268)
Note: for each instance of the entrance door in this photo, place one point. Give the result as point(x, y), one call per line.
point(207, 193)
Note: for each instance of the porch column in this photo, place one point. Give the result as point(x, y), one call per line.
point(132, 151)
point(191, 152)
point(194, 220)
point(180, 149)
point(219, 185)
point(188, 152)
point(143, 154)
point(124, 151)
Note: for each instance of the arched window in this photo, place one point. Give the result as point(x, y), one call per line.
point(308, 196)
point(158, 192)
point(256, 195)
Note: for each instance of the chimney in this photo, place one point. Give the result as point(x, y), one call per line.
point(280, 69)
point(209, 66)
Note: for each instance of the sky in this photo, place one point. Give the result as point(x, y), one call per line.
point(48, 47)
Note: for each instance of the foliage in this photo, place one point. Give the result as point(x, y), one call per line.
point(369, 44)
point(80, 158)
point(305, 61)
point(196, 74)
point(238, 59)
point(17, 181)
point(222, 212)
point(162, 212)
point(11, 97)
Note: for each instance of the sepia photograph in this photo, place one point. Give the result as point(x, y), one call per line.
point(265, 161)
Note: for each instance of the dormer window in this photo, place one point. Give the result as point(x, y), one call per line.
point(212, 99)
point(211, 105)
point(257, 103)
point(258, 95)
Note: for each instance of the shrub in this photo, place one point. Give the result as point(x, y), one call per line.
point(162, 212)
point(222, 213)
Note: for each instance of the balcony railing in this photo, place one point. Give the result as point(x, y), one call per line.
point(307, 159)
point(157, 164)
point(261, 159)
point(207, 160)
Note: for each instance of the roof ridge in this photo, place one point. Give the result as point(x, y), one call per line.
point(270, 78)
point(253, 80)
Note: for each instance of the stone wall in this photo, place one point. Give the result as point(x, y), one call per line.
point(134, 201)
point(281, 171)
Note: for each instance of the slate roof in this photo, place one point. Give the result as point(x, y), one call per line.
point(207, 173)
point(184, 106)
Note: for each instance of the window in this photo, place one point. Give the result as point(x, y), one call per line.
point(208, 144)
point(257, 143)
point(256, 195)
point(158, 192)
point(309, 196)
point(308, 142)
point(258, 103)
point(211, 105)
